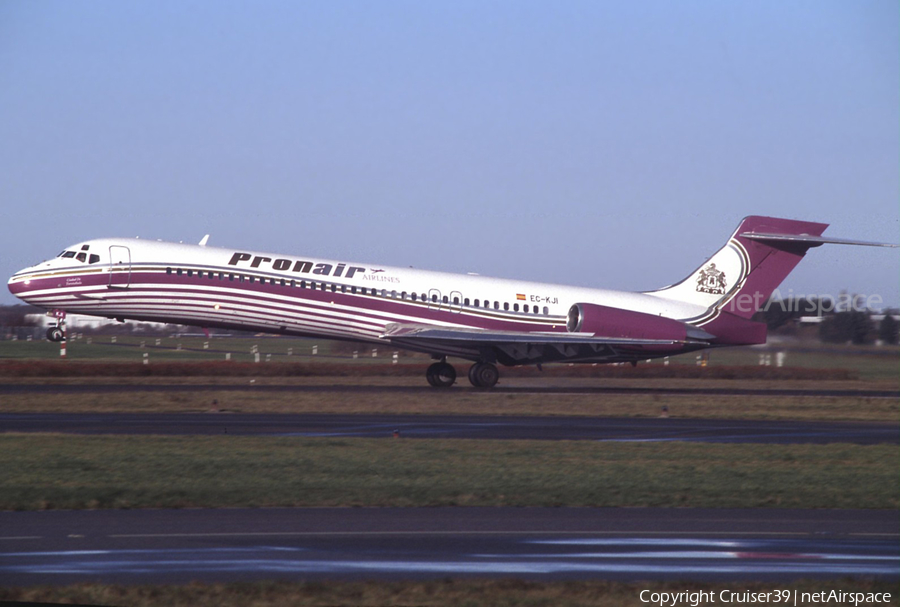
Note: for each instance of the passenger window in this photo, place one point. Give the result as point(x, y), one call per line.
point(424, 298)
point(466, 301)
point(487, 304)
point(393, 295)
point(178, 271)
point(384, 292)
point(231, 277)
point(546, 311)
point(199, 273)
point(403, 295)
point(250, 278)
point(525, 308)
point(413, 296)
point(506, 305)
point(515, 307)
point(324, 286)
point(434, 298)
point(353, 290)
point(444, 299)
point(496, 305)
point(168, 270)
point(333, 288)
point(456, 301)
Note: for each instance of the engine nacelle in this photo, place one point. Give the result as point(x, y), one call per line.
point(604, 321)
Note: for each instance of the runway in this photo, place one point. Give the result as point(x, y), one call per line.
point(461, 427)
point(529, 388)
point(175, 546)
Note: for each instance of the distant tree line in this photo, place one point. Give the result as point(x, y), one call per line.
point(851, 325)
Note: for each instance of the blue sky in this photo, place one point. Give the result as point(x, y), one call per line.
point(609, 144)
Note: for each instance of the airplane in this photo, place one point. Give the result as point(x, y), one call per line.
point(481, 319)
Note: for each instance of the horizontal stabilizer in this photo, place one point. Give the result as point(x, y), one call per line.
point(812, 241)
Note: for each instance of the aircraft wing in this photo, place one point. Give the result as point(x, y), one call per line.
point(426, 333)
point(517, 347)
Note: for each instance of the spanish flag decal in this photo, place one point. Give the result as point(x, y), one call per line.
point(520, 297)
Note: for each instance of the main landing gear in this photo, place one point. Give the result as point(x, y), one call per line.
point(481, 375)
point(441, 375)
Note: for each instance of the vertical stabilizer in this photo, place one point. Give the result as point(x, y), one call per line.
point(742, 275)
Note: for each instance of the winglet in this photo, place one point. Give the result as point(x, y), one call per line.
point(204, 240)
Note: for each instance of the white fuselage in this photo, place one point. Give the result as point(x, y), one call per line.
point(217, 287)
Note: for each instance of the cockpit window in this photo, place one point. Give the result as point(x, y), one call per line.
point(68, 254)
point(82, 257)
point(94, 258)
point(61, 254)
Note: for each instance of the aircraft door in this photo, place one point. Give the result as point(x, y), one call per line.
point(456, 301)
point(434, 299)
point(119, 267)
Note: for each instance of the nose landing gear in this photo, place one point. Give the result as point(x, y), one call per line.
point(55, 334)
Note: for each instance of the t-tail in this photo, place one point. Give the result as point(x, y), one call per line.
point(736, 282)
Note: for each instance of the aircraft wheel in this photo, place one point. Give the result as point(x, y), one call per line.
point(441, 375)
point(484, 375)
point(55, 334)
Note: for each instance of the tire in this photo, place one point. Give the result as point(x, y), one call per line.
point(441, 375)
point(484, 375)
point(55, 334)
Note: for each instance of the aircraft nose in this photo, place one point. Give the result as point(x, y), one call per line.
point(19, 284)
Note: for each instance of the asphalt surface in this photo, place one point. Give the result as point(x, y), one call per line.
point(406, 390)
point(175, 546)
point(469, 427)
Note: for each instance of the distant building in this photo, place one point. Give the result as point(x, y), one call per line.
point(84, 322)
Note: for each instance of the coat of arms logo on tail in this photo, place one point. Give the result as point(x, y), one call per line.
point(711, 280)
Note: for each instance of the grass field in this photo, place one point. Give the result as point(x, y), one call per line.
point(56, 471)
point(47, 471)
point(440, 593)
point(869, 363)
point(461, 402)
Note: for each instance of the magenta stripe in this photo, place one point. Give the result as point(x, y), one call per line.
point(418, 312)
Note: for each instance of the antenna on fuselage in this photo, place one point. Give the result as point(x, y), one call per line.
point(204, 240)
